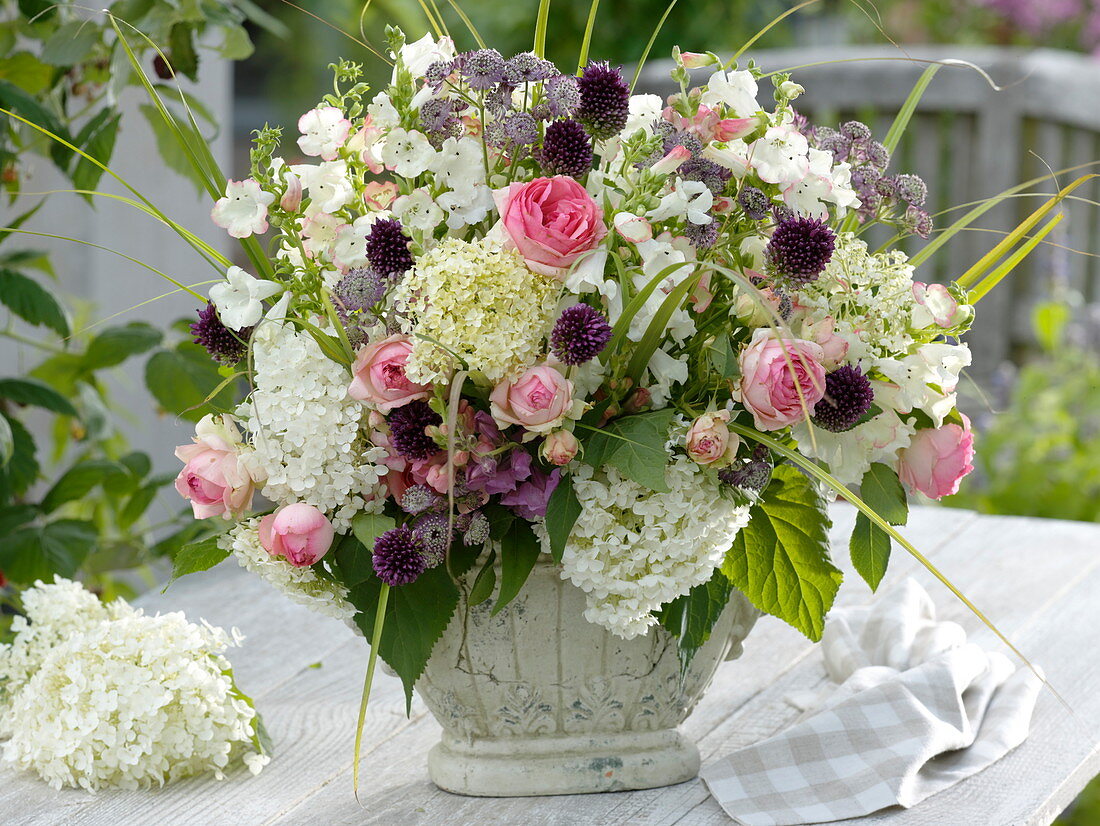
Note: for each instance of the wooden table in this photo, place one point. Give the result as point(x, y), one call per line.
point(1039, 580)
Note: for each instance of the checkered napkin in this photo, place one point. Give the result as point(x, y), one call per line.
point(918, 709)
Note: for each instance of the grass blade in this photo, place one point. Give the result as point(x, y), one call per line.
point(649, 45)
point(1013, 261)
point(582, 60)
point(465, 18)
point(749, 43)
point(541, 24)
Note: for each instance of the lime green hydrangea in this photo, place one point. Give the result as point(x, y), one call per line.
point(479, 302)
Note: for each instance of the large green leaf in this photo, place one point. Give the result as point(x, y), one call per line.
point(691, 617)
point(36, 393)
point(81, 478)
point(21, 470)
point(635, 445)
point(32, 302)
point(367, 527)
point(181, 379)
point(561, 514)
point(519, 551)
point(196, 556)
point(780, 560)
point(39, 552)
point(882, 490)
point(72, 43)
point(352, 560)
point(97, 138)
point(416, 615)
point(870, 550)
point(26, 71)
point(115, 345)
point(485, 582)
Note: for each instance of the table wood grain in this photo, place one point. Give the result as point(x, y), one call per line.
point(1038, 580)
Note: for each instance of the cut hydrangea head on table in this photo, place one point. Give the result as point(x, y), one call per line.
point(513, 311)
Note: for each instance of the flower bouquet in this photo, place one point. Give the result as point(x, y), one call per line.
point(549, 383)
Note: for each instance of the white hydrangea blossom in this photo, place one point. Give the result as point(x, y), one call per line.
point(633, 550)
point(121, 699)
point(302, 585)
point(306, 429)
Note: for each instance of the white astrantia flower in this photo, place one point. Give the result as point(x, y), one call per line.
point(781, 156)
point(467, 205)
point(324, 131)
point(117, 699)
point(407, 152)
point(238, 298)
point(418, 211)
point(736, 90)
point(243, 210)
point(327, 185)
point(687, 199)
point(633, 550)
point(302, 585)
point(306, 429)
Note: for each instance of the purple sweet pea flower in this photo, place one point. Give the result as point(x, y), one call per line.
point(529, 500)
point(501, 476)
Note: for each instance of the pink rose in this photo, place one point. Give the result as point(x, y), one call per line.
point(937, 459)
point(709, 440)
point(538, 400)
point(551, 221)
point(298, 532)
point(781, 381)
point(380, 378)
point(560, 447)
point(214, 477)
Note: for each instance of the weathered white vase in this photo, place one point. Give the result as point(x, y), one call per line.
point(536, 700)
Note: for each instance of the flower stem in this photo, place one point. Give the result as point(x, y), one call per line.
point(376, 638)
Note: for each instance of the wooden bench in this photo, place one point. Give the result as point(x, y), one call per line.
point(969, 141)
point(1037, 579)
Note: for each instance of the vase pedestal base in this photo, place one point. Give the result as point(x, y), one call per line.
point(581, 764)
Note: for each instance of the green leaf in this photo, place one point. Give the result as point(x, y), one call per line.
point(81, 478)
point(519, 551)
point(181, 50)
point(13, 516)
point(21, 470)
point(39, 552)
point(416, 615)
point(97, 138)
point(71, 44)
point(169, 150)
point(486, 581)
point(723, 358)
point(352, 560)
point(367, 527)
point(31, 302)
point(635, 445)
point(562, 512)
point(116, 344)
point(181, 379)
point(196, 556)
point(36, 393)
point(870, 549)
point(236, 44)
point(780, 560)
point(882, 490)
point(691, 617)
point(14, 224)
point(26, 71)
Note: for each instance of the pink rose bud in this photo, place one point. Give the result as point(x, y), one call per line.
point(560, 447)
point(537, 401)
point(292, 198)
point(709, 439)
point(672, 161)
point(638, 401)
point(300, 533)
point(552, 222)
point(380, 379)
point(824, 333)
point(215, 478)
point(937, 459)
point(781, 381)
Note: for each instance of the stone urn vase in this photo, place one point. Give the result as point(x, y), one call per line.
point(538, 701)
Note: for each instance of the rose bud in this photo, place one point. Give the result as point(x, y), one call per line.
point(300, 533)
point(560, 447)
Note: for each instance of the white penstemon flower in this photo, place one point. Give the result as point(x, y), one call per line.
point(350, 244)
point(418, 211)
point(407, 152)
point(243, 210)
point(238, 298)
point(418, 56)
point(736, 90)
point(781, 156)
point(324, 131)
point(327, 184)
point(459, 163)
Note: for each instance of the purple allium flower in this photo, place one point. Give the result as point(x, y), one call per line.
point(799, 249)
point(521, 129)
point(223, 345)
point(566, 149)
point(754, 202)
point(848, 395)
point(434, 533)
point(563, 95)
point(854, 130)
point(702, 236)
point(529, 500)
point(388, 248)
point(605, 101)
point(580, 334)
point(399, 556)
point(482, 69)
point(526, 67)
point(911, 189)
point(408, 425)
point(753, 476)
point(420, 499)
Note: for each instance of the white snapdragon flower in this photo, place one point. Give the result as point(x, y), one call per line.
point(407, 152)
point(418, 211)
point(466, 205)
point(736, 90)
point(850, 454)
point(238, 298)
point(349, 247)
point(642, 112)
point(418, 56)
point(925, 380)
point(459, 163)
point(328, 185)
point(665, 371)
point(781, 156)
point(734, 155)
point(243, 210)
point(688, 199)
point(324, 131)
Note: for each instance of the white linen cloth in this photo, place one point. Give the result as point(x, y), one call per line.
point(918, 709)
